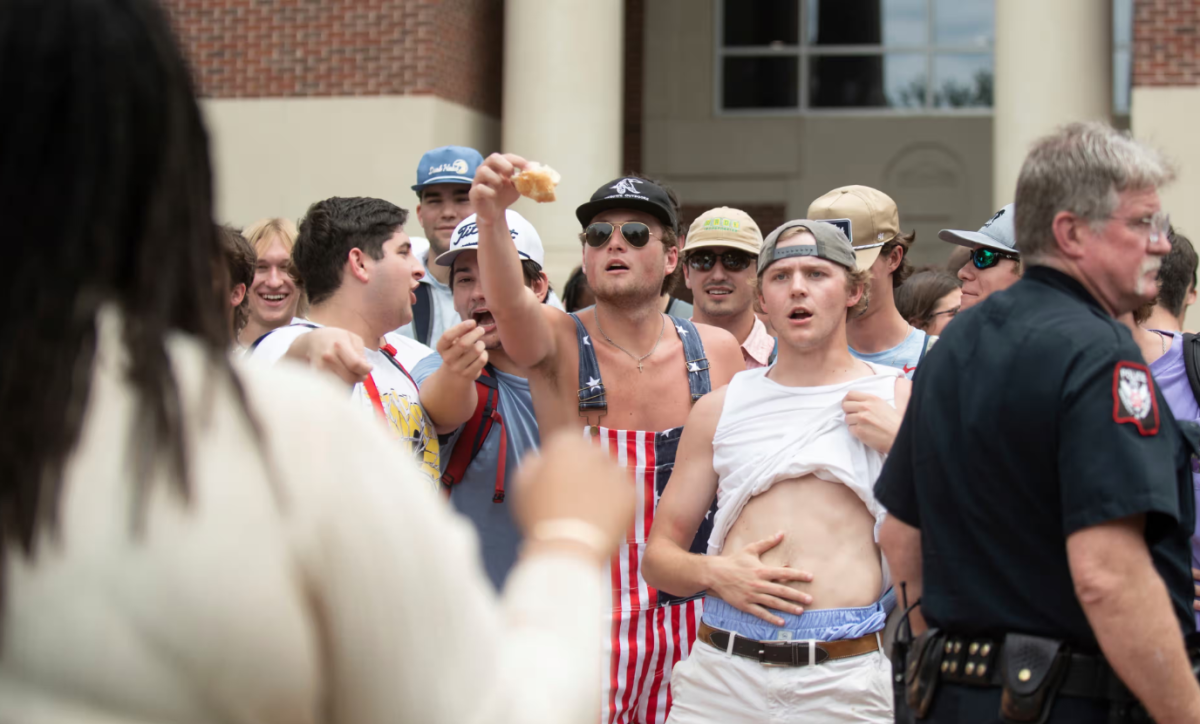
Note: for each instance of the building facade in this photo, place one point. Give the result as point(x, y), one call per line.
point(764, 105)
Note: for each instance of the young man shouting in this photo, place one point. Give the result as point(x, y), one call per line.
point(627, 375)
point(793, 570)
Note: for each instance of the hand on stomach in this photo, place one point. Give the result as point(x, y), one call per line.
point(804, 544)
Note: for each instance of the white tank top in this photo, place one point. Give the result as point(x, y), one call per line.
point(770, 432)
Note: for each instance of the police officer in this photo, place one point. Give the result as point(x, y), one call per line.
point(1039, 495)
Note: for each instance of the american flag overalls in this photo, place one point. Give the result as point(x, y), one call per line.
point(651, 630)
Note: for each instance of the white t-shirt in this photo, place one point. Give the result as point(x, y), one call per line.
point(398, 399)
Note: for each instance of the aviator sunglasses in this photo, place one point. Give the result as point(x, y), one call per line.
point(635, 232)
point(984, 258)
point(704, 259)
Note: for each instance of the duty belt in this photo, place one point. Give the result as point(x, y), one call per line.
point(787, 653)
point(975, 661)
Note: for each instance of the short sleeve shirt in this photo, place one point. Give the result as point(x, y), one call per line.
point(1034, 417)
point(397, 396)
point(499, 536)
point(903, 356)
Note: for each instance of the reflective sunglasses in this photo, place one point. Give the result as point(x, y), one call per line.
point(704, 259)
point(985, 258)
point(635, 232)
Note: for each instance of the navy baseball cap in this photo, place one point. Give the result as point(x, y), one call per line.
point(447, 165)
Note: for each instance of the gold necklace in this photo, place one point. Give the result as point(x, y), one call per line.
point(631, 354)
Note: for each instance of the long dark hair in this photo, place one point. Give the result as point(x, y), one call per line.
point(107, 200)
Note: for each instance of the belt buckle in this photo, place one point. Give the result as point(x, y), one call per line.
point(794, 648)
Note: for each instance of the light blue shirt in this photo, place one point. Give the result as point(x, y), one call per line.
point(499, 536)
point(903, 356)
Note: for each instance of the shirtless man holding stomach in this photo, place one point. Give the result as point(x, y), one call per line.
point(788, 450)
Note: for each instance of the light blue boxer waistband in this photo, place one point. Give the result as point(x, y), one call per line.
point(830, 624)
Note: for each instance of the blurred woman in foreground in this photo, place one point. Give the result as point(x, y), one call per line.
point(186, 540)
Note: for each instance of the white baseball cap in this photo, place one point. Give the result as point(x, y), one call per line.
point(524, 236)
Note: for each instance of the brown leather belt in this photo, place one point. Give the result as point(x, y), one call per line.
point(788, 653)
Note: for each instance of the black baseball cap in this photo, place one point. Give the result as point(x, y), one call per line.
point(629, 193)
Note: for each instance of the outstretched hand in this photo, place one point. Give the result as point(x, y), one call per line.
point(333, 350)
point(493, 190)
point(744, 582)
point(462, 350)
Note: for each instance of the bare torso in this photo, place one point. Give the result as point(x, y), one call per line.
point(827, 531)
point(656, 398)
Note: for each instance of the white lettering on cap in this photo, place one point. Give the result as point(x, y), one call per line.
point(627, 186)
point(459, 167)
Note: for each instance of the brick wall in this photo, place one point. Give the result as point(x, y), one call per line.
point(1166, 43)
point(276, 48)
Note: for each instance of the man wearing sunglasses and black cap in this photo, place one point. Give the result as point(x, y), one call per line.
point(1039, 492)
point(722, 246)
point(621, 370)
point(995, 261)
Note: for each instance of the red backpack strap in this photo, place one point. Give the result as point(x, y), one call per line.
point(476, 431)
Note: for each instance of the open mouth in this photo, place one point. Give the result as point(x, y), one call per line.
point(800, 315)
point(273, 298)
point(616, 265)
point(483, 318)
point(718, 291)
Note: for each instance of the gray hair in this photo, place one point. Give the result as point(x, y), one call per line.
point(1080, 168)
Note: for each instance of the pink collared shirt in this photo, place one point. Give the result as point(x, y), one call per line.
point(758, 346)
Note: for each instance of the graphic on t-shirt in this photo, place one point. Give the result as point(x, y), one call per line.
point(410, 425)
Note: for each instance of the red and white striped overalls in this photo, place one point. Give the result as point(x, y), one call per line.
point(651, 630)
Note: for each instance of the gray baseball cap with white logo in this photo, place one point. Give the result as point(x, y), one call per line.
point(998, 234)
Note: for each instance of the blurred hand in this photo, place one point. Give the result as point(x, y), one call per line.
point(462, 350)
point(571, 479)
point(874, 421)
point(333, 350)
point(493, 190)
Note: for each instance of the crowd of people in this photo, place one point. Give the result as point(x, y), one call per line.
point(820, 485)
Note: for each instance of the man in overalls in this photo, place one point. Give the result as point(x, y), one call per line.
point(656, 367)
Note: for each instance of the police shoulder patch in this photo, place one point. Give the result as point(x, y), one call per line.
point(1133, 397)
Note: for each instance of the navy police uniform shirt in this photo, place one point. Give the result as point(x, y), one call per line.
point(1034, 417)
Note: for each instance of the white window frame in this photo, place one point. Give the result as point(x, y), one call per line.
point(804, 52)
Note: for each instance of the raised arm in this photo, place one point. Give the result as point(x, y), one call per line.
point(741, 580)
point(525, 331)
point(1127, 605)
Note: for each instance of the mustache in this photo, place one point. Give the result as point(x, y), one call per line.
point(1150, 264)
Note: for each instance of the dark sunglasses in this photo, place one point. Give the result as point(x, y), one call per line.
point(984, 258)
point(704, 259)
point(635, 232)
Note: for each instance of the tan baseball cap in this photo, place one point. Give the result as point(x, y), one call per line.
point(724, 226)
point(866, 215)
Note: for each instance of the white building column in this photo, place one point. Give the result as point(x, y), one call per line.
point(1053, 65)
point(563, 62)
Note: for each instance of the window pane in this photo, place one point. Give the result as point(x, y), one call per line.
point(1121, 73)
point(965, 23)
point(762, 22)
point(1122, 22)
point(761, 82)
point(867, 22)
point(962, 81)
point(867, 81)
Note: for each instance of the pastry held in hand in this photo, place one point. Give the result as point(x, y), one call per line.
point(537, 182)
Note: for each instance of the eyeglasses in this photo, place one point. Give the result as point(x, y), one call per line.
point(704, 259)
point(1157, 225)
point(952, 311)
point(984, 258)
point(635, 232)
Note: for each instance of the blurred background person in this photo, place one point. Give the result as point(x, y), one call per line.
point(276, 294)
point(929, 300)
point(994, 260)
point(166, 554)
point(1176, 287)
point(239, 268)
point(576, 293)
